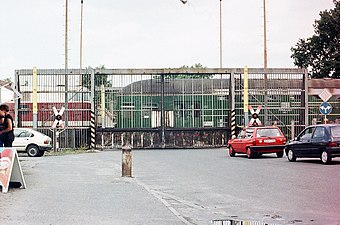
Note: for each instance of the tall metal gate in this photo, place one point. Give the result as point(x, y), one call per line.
point(44, 89)
point(282, 94)
point(194, 107)
point(156, 108)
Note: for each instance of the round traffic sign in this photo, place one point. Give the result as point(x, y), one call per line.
point(325, 108)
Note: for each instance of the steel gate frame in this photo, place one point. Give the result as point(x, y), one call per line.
point(210, 93)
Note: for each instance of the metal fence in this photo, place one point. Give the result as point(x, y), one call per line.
point(164, 108)
point(282, 95)
point(48, 88)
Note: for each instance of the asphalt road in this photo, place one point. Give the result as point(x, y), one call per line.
point(173, 187)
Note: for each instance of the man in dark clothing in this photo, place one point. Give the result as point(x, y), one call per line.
point(7, 134)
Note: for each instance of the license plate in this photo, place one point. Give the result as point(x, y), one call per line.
point(269, 141)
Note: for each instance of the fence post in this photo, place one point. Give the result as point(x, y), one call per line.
point(55, 141)
point(93, 115)
point(292, 123)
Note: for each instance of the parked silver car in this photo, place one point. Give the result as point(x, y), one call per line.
point(31, 141)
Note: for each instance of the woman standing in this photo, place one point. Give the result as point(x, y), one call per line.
point(7, 134)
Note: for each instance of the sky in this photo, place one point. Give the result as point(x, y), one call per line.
point(152, 33)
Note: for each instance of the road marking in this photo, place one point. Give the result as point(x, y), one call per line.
point(158, 195)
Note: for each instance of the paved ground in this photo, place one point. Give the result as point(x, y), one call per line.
point(81, 189)
point(172, 187)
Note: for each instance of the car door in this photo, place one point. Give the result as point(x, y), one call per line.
point(237, 142)
point(319, 140)
point(248, 139)
point(302, 144)
point(21, 138)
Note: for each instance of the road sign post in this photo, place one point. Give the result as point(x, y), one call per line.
point(58, 123)
point(325, 109)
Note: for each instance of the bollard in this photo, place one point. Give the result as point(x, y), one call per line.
point(126, 161)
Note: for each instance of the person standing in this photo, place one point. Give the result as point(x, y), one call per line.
point(7, 134)
point(2, 118)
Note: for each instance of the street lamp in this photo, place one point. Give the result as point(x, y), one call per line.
point(185, 1)
point(220, 33)
point(81, 37)
point(265, 65)
point(66, 65)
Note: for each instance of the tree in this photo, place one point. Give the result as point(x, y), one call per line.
point(99, 79)
point(321, 52)
point(188, 75)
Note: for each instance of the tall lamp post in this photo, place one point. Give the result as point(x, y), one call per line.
point(66, 66)
point(81, 38)
point(220, 33)
point(221, 58)
point(265, 64)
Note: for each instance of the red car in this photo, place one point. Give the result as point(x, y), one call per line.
point(255, 141)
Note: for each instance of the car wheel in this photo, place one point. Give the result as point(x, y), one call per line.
point(325, 158)
point(279, 154)
point(231, 151)
point(291, 156)
point(33, 151)
point(250, 153)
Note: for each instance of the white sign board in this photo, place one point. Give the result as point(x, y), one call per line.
point(325, 95)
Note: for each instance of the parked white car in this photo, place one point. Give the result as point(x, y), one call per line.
point(31, 141)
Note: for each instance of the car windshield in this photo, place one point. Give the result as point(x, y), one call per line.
point(335, 131)
point(268, 132)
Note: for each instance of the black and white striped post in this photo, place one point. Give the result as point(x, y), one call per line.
point(93, 130)
point(232, 104)
point(233, 123)
point(93, 115)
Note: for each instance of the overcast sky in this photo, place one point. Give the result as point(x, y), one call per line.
point(152, 33)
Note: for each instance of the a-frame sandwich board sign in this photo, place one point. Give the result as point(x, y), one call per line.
point(10, 169)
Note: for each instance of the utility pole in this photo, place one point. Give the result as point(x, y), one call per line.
point(66, 65)
point(81, 37)
point(162, 113)
point(220, 33)
point(264, 35)
point(265, 64)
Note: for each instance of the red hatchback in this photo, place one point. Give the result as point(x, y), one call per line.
point(255, 141)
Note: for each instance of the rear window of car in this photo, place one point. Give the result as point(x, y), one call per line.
point(268, 132)
point(335, 131)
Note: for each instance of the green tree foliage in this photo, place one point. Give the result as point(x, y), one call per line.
point(188, 75)
point(99, 80)
point(321, 52)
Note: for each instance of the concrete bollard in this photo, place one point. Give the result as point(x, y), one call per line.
point(126, 161)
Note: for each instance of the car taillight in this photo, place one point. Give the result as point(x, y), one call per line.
point(46, 142)
point(332, 144)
